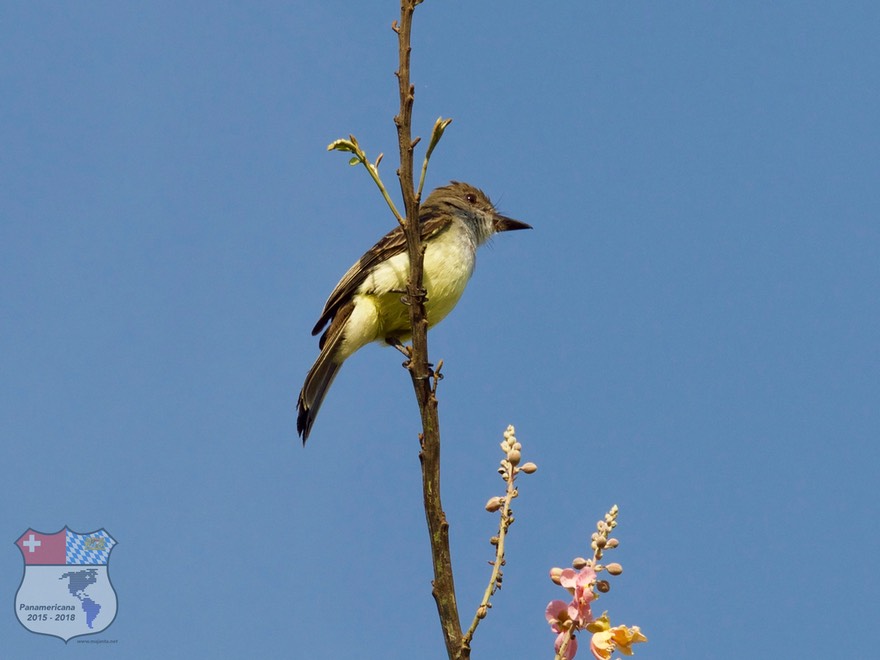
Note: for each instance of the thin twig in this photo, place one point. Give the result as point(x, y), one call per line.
point(509, 470)
point(437, 132)
point(351, 145)
point(495, 577)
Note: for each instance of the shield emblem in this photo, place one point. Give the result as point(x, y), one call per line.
point(65, 590)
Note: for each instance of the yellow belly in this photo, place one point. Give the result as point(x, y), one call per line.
point(379, 312)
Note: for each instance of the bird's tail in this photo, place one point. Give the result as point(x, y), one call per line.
point(318, 381)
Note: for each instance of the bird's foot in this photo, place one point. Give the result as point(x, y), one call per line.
point(407, 352)
point(405, 297)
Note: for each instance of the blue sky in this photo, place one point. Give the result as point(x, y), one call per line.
point(690, 331)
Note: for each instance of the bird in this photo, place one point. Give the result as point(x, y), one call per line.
point(367, 304)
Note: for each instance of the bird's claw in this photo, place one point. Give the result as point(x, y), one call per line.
point(404, 295)
point(407, 364)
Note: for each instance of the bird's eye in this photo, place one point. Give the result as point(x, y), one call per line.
point(471, 198)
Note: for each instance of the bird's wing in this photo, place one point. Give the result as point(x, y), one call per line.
point(393, 243)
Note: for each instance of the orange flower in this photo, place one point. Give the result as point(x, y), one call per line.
point(606, 639)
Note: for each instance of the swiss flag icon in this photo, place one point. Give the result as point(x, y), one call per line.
point(43, 549)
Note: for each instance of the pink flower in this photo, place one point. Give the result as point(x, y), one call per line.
point(557, 616)
point(580, 585)
point(570, 650)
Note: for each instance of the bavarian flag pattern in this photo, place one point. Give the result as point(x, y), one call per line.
point(91, 548)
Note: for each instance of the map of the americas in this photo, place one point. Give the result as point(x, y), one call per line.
point(77, 582)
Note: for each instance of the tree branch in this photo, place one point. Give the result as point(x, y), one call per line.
point(429, 438)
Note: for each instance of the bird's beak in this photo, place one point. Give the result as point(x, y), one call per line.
point(503, 223)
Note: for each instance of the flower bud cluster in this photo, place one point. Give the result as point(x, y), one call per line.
point(509, 468)
point(600, 540)
point(512, 456)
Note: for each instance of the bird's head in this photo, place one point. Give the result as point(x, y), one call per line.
point(473, 206)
